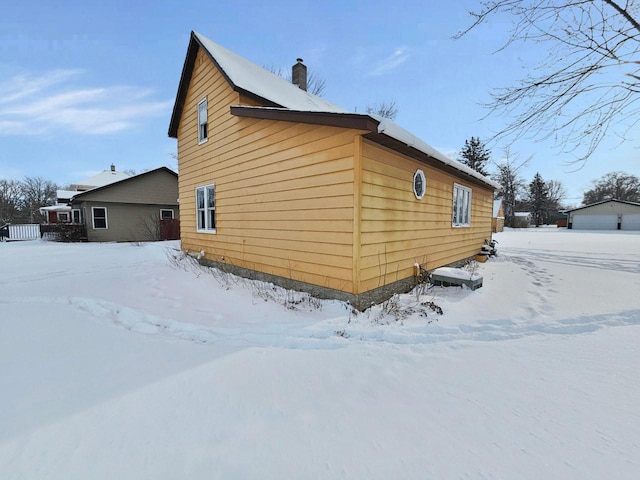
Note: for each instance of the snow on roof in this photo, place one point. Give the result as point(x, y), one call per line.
point(122, 179)
point(254, 79)
point(600, 203)
point(106, 177)
point(65, 194)
point(55, 208)
point(393, 130)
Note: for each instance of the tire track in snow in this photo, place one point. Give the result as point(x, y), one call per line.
point(621, 263)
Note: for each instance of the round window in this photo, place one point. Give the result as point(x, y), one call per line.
point(419, 184)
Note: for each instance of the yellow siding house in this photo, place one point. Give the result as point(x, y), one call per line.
point(278, 184)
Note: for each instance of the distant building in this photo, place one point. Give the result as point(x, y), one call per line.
point(606, 215)
point(62, 212)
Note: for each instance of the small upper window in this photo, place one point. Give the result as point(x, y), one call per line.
point(419, 184)
point(203, 123)
point(461, 206)
point(166, 214)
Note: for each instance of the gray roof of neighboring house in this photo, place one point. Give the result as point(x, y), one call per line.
point(128, 178)
point(101, 179)
point(284, 98)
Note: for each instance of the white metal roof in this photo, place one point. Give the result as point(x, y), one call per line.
point(257, 80)
point(254, 79)
point(106, 177)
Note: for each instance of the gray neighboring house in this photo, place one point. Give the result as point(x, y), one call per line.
point(605, 215)
point(130, 209)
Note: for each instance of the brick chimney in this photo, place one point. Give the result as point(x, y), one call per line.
point(113, 167)
point(299, 74)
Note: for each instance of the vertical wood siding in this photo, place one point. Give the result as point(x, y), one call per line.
point(398, 230)
point(284, 191)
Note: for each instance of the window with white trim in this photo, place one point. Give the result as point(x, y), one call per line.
point(99, 217)
point(63, 217)
point(75, 215)
point(206, 208)
point(419, 184)
point(461, 206)
point(166, 214)
point(203, 122)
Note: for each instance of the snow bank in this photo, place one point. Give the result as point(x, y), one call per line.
point(121, 362)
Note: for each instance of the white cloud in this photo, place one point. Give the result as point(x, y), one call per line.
point(49, 104)
point(393, 61)
point(22, 86)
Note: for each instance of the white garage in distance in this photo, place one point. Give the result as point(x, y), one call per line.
point(605, 215)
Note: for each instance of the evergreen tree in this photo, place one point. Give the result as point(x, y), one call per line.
point(538, 199)
point(513, 185)
point(475, 155)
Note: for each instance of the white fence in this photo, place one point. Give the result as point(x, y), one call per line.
point(20, 232)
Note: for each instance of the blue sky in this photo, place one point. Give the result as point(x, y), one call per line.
point(84, 85)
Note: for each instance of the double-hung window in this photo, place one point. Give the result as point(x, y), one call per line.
point(206, 208)
point(203, 122)
point(461, 206)
point(99, 215)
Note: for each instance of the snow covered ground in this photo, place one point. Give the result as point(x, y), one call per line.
point(120, 361)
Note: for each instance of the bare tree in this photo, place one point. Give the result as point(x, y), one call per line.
point(10, 195)
point(36, 192)
point(512, 183)
point(589, 83)
point(315, 83)
point(386, 108)
point(614, 185)
point(556, 193)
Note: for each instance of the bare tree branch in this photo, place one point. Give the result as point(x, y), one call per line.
point(587, 86)
point(385, 108)
point(316, 84)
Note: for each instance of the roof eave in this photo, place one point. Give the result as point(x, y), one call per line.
point(359, 122)
point(601, 202)
point(183, 86)
point(399, 146)
point(331, 119)
point(185, 79)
